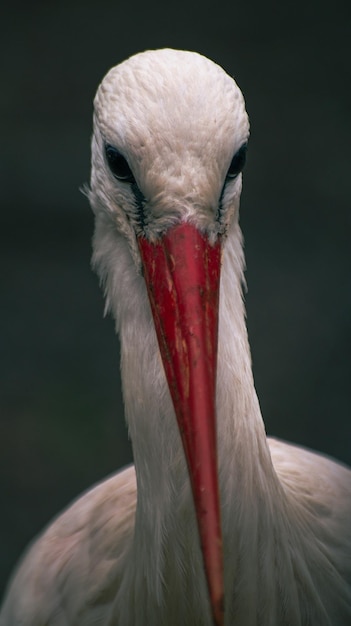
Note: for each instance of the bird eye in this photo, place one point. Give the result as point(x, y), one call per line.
point(118, 164)
point(238, 162)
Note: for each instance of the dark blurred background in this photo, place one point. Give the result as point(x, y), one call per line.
point(62, 425)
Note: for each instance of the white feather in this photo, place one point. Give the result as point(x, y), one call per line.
point(178, 119)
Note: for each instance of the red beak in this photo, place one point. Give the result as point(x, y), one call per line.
point(182, 274)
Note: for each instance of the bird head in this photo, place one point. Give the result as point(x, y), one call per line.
point(169, 141)
point(168, 148)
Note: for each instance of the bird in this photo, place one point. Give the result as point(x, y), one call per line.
point(215, 523)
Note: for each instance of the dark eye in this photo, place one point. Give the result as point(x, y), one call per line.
point(238, 162)
point(118, 164)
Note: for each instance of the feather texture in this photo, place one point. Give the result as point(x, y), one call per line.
point(116, 559)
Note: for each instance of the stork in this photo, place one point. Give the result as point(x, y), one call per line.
point(144, 547)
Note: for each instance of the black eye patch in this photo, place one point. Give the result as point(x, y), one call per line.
point(118, 164)
point(238, 162)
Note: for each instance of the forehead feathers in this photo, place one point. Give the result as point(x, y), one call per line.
point(176, 116)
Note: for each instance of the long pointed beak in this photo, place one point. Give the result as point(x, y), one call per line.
point(182, 274)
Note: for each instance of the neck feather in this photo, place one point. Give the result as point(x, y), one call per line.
point(266, 533)
point(242, 446)
point(165, 522)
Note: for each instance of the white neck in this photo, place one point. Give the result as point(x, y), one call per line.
point(260, 518)
point(158, 453)
point(165, 524)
